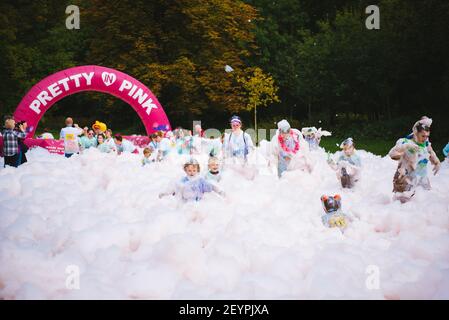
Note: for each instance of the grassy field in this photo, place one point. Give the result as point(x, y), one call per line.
point(376, 146)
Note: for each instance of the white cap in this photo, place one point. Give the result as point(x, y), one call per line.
point(283, 125)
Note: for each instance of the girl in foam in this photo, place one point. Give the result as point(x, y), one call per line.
point(413, 154)
point(192, 186)
point(348, 165)
point(237, 144)
point(289, 150)
point(102, 146)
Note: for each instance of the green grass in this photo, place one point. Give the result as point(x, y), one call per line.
point(376, 146)
point(379, 147)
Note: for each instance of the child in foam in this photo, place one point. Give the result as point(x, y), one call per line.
point(333, 216)
point(183, 141)
point(213, 146)
point(348, 165)
point(123, 145)
point(147, 157)
point(109, 139)
point(313, 136)
point(413, 155)
point(156, 145)
point(289, 151)
point(213, 174)
point(192, 186)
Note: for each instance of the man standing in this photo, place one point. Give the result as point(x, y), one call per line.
point(70, 136)
point(10, 142)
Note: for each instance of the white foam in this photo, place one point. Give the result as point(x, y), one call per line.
point(265, 240)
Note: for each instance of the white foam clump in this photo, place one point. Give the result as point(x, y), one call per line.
point(265, 240)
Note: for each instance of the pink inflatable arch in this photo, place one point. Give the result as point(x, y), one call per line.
point(91, 78)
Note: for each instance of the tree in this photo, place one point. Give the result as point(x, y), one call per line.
point(260, 91)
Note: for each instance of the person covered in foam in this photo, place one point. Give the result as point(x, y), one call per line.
point(237, 144)
point(348, 165)
point(413, 154)
point(213, 174)
point(333, 216)
point(313, 136)
point(192, 186)
point(289, 150)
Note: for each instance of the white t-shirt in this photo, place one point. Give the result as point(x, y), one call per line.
point(70, 137)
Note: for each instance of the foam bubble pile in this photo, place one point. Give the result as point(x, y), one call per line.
point(92, 226)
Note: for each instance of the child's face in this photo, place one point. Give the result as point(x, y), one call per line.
point(214, 166)
point(100, 139)
point(348, 150)
point(191, 170)
point(147, 154)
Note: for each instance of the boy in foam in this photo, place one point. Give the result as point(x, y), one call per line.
point(147, 158)
point(123, 145)
point(348, 165)
point(192, 186)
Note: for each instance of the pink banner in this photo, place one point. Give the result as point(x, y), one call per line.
point(57, 146)
point(91, 78)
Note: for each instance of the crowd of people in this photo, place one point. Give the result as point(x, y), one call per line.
point(288, 150)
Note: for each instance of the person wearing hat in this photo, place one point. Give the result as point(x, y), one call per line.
point(413, 153)
point(289, 150)
point(348, 164)
point(237, 144)
point(313, 136)
point(192, 186)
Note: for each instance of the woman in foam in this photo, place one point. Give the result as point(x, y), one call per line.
point(413, 153)
point(289, 150)
point(237, 144)
point(192, 186)
point(101, 145)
